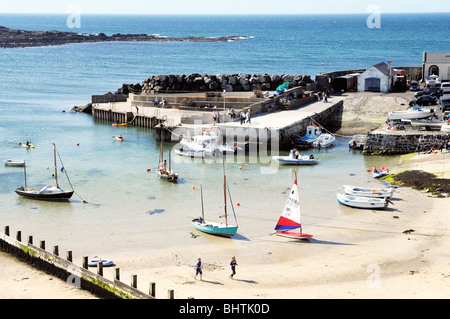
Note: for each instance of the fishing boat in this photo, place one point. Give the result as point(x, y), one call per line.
point(14, 163)
point(312, 133)
point(217, 228)
point(368, 192)
point(164, 172)
point(48, 192)
point(411, 113)
point(290, 217)
point(325, 140)
point(292, 159)
point(362, 201)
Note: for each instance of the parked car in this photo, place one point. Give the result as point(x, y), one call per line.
point(424, 100)
point(434, 91)
point(433, 80)
point(444, 103)
point(445, 87)
point(414, 86)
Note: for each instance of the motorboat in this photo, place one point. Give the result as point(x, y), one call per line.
point(312, 133)
point(411, 113)
point(325, 140)
point(368, 192)
point(362, 201)
point(211, 142)
point(292, 159)
point(199, 153)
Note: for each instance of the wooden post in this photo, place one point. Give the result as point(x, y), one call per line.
point(100, 268)
point(134, 281)
point(30, 240)
point(56, 250)
point(42, 244)
point(69, 255)
point(7, 230)
point(85, 262)
point(117, 273)
point(152, 291)
point(170, 294)
point(19, 235)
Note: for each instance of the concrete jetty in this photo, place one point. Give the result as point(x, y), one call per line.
point(268, 118)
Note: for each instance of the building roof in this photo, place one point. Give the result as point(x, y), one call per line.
point(436, 57)
point(383, 68)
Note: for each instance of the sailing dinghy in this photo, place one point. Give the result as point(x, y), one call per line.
point(163, 172)
point(48, 192)
point(217, 228)
point(290, 217)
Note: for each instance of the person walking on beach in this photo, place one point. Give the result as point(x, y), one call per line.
point(233, 265)
point(198, 269)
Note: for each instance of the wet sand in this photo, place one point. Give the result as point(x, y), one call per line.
point(360, 254)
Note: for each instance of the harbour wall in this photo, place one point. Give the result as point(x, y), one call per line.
point(77, 276)
point(402, 142)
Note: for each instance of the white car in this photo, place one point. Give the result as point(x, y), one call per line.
point(445, 87)
point(433, 80)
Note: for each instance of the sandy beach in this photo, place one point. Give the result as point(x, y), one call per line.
point(401, 252)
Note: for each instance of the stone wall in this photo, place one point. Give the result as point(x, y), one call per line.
point(228, 82)
point(380, 143)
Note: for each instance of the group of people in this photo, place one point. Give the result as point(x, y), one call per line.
point(199, 268)
point(245, 117)
point(159, 103)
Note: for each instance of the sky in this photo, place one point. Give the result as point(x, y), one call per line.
point(221, 7)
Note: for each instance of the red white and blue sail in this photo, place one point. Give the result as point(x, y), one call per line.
point(290, 217)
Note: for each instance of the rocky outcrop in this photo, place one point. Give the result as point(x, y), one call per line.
point(229, 82)
point(12, 38)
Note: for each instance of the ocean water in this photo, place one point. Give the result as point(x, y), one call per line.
point(128, 208)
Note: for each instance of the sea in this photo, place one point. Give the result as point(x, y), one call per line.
point(126, 208)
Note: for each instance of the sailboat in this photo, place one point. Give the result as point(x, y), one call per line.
point(162, 171)
point(48, 192)
point(217, 228)
point(290, 217)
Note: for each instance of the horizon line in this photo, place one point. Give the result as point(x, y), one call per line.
point(226, 14)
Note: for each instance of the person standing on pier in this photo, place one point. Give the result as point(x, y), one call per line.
point(242, 117)
point(248, 116)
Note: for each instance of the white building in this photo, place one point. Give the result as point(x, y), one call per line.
point(437, 63)
point(378, 78)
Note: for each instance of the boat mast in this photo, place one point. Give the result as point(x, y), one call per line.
point(25, 173)
point(225, 192)
point(56, 168)
point(201, 196)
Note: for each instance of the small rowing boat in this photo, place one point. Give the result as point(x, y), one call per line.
point(368, 192)
point(14, 163)
point(362, 201)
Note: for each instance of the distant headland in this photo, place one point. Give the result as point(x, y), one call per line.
point(12, 38)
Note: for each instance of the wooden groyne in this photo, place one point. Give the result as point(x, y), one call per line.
point(78, 276)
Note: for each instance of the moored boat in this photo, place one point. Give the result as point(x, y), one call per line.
point(325, 140)
point(292, 159)
point(217, 228)
point(14, 163)
point(368, 192)
point(362, 201)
